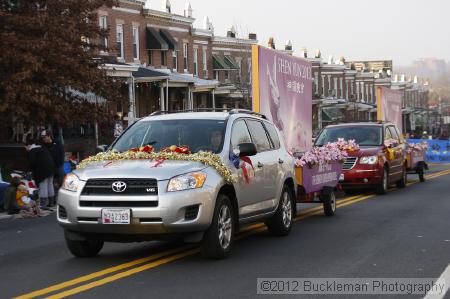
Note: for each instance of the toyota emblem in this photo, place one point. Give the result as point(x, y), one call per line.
point(119, 186)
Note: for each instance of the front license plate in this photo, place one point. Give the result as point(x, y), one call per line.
point(341, 177)
point(116, 216)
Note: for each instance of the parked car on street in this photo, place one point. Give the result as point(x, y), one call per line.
point(140, 200)
point(375, 165)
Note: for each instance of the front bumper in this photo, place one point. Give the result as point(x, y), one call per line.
point(361, 178)
point(166, 217)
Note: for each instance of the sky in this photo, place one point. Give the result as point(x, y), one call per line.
point(401, 30)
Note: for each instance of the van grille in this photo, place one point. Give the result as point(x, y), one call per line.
point(349, 163)
point(136, 187)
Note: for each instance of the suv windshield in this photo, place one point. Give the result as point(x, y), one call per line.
point(363, 135)
point(199, 135)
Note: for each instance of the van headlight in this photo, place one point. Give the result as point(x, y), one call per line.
point(187, 181)
point(368, 160)
point(71, 182)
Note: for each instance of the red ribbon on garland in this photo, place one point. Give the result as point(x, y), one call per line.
point(244, 168)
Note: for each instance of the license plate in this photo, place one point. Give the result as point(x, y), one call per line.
point(116, 216)
point(341, 177)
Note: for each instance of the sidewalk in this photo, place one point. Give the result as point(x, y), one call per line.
point(4, 216)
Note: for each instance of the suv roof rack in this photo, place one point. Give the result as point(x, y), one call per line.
point(246, 111)
point(229, 111)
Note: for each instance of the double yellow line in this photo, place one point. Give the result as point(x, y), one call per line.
point(161, 258)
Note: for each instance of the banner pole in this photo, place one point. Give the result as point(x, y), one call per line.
point(379, 108)
point(255, 78)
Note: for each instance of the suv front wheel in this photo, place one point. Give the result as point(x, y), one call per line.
point(280, 223)
point(84, 248)
point(383, 185)
point(218, 238)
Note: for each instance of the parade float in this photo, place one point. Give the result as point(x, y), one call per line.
point(415, 159)
point(282, 91)
point(389, 108)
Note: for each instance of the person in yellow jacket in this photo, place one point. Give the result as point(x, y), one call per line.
point(24, 202)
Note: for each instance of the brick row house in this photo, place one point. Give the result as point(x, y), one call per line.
point(178, 66)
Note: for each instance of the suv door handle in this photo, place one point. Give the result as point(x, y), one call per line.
point(260, 165)
point(280, 161)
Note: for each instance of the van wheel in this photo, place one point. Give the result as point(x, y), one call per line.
point(280, 224)
point(86, 248)
point(329, 203)
point(402, 182)
point(383, 185)
point(218, 239)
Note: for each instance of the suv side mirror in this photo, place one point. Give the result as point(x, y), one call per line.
point(247, 149)
point(102, 148)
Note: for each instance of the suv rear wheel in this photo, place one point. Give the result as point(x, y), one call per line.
point(85, 248)
point(280, 223)
point(218, 238)
point(383, 185)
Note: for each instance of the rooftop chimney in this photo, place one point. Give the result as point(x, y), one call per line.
point(188, 10)
point(252, 36)
point(318, 54)
point(288, 45)
point(166, 6)
point(330, 59)
point(231, 32)
point(271, 43)
point(303, 52)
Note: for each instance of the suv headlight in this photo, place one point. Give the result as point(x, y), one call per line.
point(71, 182)
point(187, 181)
point(368, 160)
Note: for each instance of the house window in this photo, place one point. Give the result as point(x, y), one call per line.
point(205, 64)
point(358, 96)
point(227, 76)
point(150, 57)
point(163, 58)
point(196, 62)
point(185, 55)
point(119, 40)
point(103, 23)
point(136, 42)
point(175, 60)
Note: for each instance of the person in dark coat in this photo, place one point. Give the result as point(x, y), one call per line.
point(10, 204)
point(43, 170)
point(56, 150)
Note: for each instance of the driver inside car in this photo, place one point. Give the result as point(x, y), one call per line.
point(372, 139)
point(216, 140)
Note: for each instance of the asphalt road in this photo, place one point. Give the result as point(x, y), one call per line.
point(404, 234)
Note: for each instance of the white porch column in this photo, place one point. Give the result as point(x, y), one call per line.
point(213, 99)
point(132, 113)
point(161, 99)
point(167, 95)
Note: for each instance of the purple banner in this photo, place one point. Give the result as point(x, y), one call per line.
point(391, 106)
point(285, 95)
point(314, 179)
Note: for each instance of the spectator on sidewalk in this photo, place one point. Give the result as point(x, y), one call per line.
point(10, 203)
point(56, 150)
point(27, 206)
point(43, 170)
point(118, 126)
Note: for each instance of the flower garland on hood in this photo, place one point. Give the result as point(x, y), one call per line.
point(330, 152)
point(173, 153)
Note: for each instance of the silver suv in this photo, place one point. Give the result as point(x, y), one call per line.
point(132, 200)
